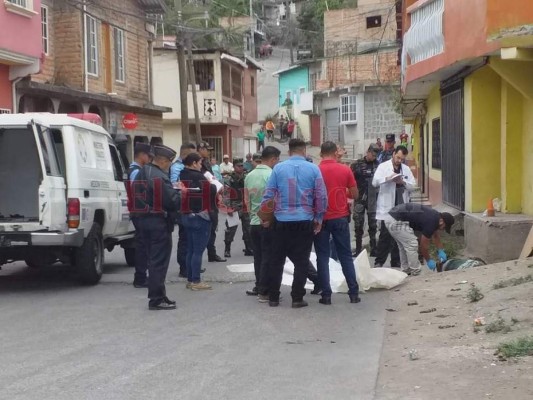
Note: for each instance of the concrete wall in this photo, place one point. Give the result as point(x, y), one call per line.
point(484, 236)
point(381, 116)
point(167, 83)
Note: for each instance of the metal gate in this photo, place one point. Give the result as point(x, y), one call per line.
point(216, 142)
point(453, 145)
point(332, 125)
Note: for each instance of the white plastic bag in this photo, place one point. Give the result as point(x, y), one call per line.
point(376, 278)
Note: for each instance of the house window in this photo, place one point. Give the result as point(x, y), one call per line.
point(120, 74)
point(204, 74)
point(313, 78)
point(373, 22)
point(91, 52)
point(436, 160)
point(236, 84)
point(252, 86)
point(21, 3)
point(44, 28)
point(21, 7)
point(348, 109)
point(226, 80)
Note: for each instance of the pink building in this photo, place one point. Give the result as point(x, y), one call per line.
point(21, 45)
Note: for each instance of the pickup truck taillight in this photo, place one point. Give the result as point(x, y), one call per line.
point(73, 213)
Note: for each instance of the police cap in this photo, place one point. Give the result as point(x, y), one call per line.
point(237, 161)
point(142, 148)
point(164, 151)
point(390, 137)
point(204, 145)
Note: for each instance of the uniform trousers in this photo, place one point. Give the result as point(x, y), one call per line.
point(230, 231)
point(157, 239)
point(141, 256)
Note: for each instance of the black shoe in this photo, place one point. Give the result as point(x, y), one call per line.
point(355, 299)
point(227, 254)
point(299, 304)
point(273, 303)
point(141, 285)
point(252, 292)
point(202, 270)
point(180, 275)
point(325, 300)
point(316, 289)
point(356, 252)
point(168, 301)
point(162, 306)
point(216, 258)
point(248, 252)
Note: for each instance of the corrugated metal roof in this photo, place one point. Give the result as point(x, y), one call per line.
point(153, 6)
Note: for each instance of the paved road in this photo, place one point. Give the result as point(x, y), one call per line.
point(63, 341)
point(267, 85)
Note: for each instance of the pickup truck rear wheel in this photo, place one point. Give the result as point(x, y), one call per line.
point(89, 258)
point(129, 254)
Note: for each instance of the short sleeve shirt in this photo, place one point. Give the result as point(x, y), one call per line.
point(338, 178)
point(421, 218)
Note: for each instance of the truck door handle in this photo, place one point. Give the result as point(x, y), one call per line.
point(86, 194)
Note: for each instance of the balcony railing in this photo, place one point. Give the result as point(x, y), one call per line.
point(425, 37)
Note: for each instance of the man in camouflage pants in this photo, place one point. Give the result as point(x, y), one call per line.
point(234, 201)
point(363, 170)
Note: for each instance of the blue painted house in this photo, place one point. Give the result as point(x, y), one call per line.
point(295, 94)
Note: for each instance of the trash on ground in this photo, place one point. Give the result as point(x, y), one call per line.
point(430, 310)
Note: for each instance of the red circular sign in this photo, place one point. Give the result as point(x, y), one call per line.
point(130, 121)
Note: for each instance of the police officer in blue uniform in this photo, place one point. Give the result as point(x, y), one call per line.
point(156, 204)
point(142, 154)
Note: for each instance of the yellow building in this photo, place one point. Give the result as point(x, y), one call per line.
point(469, 94)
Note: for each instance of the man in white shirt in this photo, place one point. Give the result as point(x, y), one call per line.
point(226, 168)
point(395, 180)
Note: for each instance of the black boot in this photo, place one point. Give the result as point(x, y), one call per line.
point(227, 250)
point(248, 252)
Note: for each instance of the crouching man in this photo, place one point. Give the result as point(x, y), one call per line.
point(403, 220)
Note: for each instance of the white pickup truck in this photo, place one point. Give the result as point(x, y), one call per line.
point(62, 194)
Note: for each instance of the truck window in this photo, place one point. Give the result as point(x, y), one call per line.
point(117, 166)
point(51, 161)
point(57, 140)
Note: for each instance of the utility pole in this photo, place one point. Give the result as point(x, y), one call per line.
point(291, 38)
point(192, 79)
point(182, 71)
point(252, 31)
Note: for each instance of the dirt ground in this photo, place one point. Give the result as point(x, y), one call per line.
point(451, 360)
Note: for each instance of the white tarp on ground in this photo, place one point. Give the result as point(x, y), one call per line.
point(367, 278)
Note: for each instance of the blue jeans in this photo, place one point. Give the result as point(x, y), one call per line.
point(198, 232)
point(339, 230)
